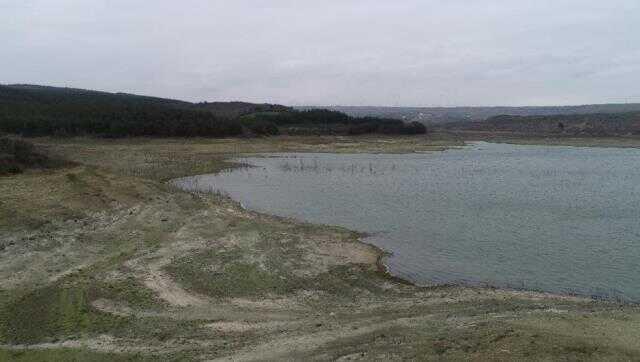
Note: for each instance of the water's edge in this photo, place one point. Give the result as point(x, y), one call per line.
point(234, 163)
point(382, 254)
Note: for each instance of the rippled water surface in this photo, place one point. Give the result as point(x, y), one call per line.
point(557, 219)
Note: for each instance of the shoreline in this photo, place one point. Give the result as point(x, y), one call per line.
point(142, 268)
point(382, 254)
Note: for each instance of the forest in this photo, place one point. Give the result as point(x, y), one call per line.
point(29, 110)
point(322, 121)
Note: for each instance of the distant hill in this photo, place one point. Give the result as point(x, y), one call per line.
point(440, 115)
point(32, 110)
point(38, 94)
point(52, 95)
point(327, 122)
point(237, 109)
point(592, 124)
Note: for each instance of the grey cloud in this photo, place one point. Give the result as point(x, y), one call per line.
point(352, 52)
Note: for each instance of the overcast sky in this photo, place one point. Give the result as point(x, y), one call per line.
point(331, 52)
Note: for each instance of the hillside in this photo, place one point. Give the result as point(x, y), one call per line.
point(36, 110)
point(440, 115)
point(53, 95)
point(56, 95)
point(594, 124)
point(30, 110)
point(236, 109)
point(326, 122)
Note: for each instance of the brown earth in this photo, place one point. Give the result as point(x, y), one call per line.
point(105, 261)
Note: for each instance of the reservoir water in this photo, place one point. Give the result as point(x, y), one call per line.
point(556, 219)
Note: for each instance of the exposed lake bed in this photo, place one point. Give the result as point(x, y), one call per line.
point(555, 219)
point(195, 276)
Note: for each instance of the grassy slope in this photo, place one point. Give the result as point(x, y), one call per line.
point(103, 259)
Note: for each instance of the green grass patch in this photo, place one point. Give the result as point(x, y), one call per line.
point(63, 310)
point(66, 355)
point(127, 290)
point(222, 273)
point(51, 313)
point(226, 274)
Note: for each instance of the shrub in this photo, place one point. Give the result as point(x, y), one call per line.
point(17, 155)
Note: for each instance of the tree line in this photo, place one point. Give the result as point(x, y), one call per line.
point(39, 111)
point(322, 121)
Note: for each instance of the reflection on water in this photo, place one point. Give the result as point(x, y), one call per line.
point(558, 219)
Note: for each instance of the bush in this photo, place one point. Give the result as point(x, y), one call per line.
point(17, 155)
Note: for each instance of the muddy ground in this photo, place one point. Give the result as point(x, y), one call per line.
point(103, 260)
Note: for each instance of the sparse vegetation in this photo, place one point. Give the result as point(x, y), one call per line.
point(441, 115)
point(104, 261)
point(67, 355)
point(16, 155)
point(572, 125)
